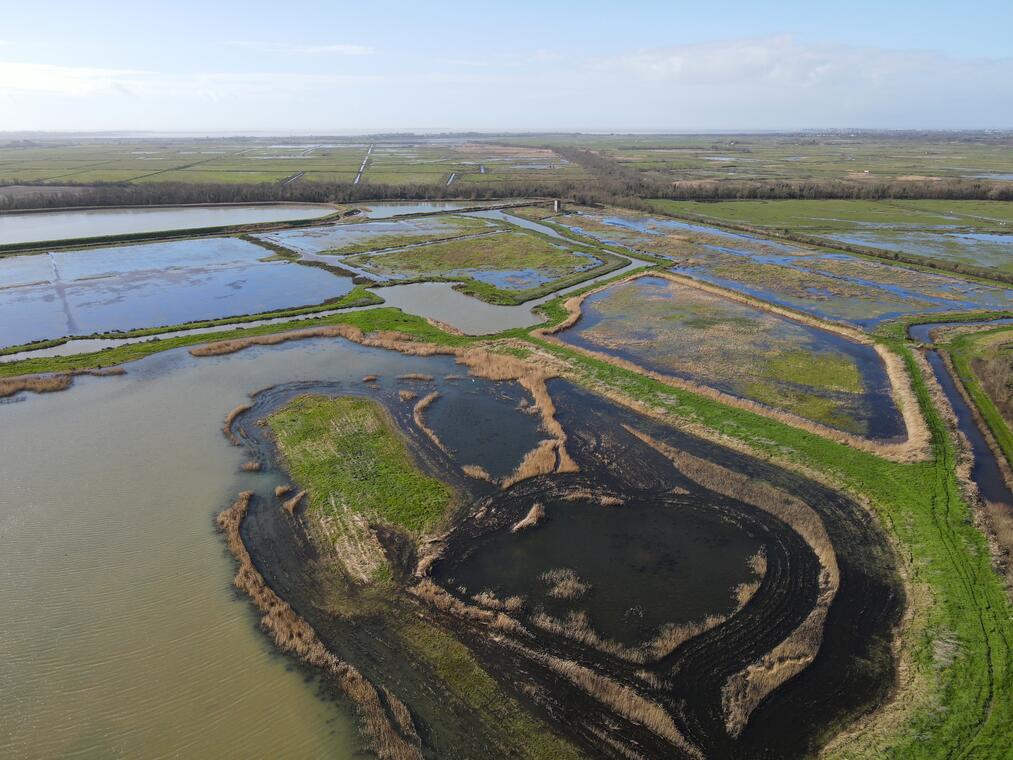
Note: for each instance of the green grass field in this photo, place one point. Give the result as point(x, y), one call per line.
point(346, 451)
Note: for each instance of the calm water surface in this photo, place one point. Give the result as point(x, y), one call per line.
point(64, 225)
point(122, 634)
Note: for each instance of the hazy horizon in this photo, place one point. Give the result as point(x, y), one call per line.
point(562, 67)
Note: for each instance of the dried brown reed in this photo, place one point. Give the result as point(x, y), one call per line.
point(230, 419)
point(446, 602)
point(291, 504)
point(418, 415)
point(251, 466)
point(392, 737)
point(490, 600)
point(619, 697)
point(564, 583)
point(222, 347)
point(577, 627)
point(281, 490)
point(406, 395)
point(477, 472)
point(414, 376)
point(60, 381)
point(370, 378)
point(535, 515)
point(541, 460)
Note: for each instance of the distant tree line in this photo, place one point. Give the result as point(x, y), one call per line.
point(610, 183)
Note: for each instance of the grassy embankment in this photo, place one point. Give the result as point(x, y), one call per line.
point(349, 457)
point(974, 350)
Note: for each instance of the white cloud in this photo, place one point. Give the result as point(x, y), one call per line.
point(781, 61)
point(297, 49)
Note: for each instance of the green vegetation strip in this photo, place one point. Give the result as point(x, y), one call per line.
point(347, 454)
point(963, 350)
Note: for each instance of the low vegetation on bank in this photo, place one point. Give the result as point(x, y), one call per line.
point(345, 451)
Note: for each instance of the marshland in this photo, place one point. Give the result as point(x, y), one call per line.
point(417, 478)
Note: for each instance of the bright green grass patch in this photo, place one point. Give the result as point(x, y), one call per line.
point(346, 453)
point(837, 373)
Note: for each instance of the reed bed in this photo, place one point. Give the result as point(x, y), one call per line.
point(389, 728)
point(491, 601)
point(534, 516)
point(54, 383)
point(414, 376)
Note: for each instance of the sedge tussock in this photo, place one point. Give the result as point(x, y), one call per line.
point(251, 466)
point(477, 472)
point(230, 420)
point(281, 490)
point(564, 583)
point(406, 395)
point(291, 504)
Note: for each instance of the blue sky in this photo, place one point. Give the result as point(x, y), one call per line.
point(309, 66)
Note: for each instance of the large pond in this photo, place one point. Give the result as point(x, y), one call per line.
point(51, 295)
point(67, 225)
point(680, 331)
point(829, 285)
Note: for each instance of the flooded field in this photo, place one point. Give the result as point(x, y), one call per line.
point(51, 295)
point(974, 233)
point(341, 239)
point(983, 249)
point(832, 286)
point(66, 225)
point(680, 331)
